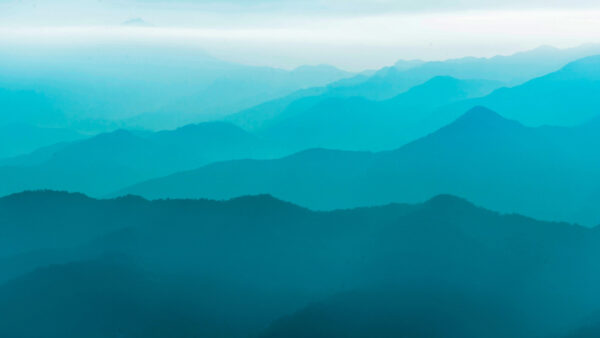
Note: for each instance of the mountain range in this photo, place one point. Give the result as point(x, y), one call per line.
point(545, 172)
point(511, 69)
point(566, 97)
point(106, 162)
point(152, 190)
point(563, 98)
point(95, 89)
point(257, 266)
point(19, 139)
point(482, 156)
point(360, 124)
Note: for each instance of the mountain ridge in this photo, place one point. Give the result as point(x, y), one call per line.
point(102, 163)
point(479, 149)
point(210, 262)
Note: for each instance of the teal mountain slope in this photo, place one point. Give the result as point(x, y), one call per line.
point(105, 162)
point(408, 312)
point(511, 69)
point(20, 139)
point(391, 81)
point(107, 297)
point(231, 93)
point(360, 124)
point(138, 86)
point(547, 172)
point(199, 267)
point(566, 97)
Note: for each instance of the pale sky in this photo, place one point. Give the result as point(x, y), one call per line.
point(351, 34)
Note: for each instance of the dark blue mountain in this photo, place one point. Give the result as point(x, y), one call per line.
point(196, 267)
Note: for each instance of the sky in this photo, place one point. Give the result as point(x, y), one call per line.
point(351, 34)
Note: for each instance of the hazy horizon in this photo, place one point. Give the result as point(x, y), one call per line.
point(354, 36)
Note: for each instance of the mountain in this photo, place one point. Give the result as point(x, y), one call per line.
point(136, 22)
point(410, 312)
point(322, 73)
point(51, 226)
point(357, 123)
point(511, 69)
point(361, 124)
point(546, 172)
point(407, 64)
point(250, 89)
point(108, 161)
point(200, 267)
point(566, 97)
point(388, 82)
point(19, 139)
point(37, 156)
point(97, 89)
point(107, 297)
point(384, 85)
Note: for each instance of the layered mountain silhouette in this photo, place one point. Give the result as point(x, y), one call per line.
point(20, 139)
point(330, 204)
point(361, 124)
point(105, 162)
point(199, 267)
point(511, 69)
point(319, 118)
point(564, 98)
point(546, 172)
point(139, 86)
point(136, 22)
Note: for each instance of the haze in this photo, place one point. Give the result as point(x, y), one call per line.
point(353, 35)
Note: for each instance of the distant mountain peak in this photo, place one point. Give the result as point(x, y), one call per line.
point(481, 111)
point(407, 64)
point(447, 200)
point(119, 134)
point(387, 71)
point(482, 116)
point(208, 130)
point(478, 123)
point(136, 22)
point(443, 78)
point(440, 80)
